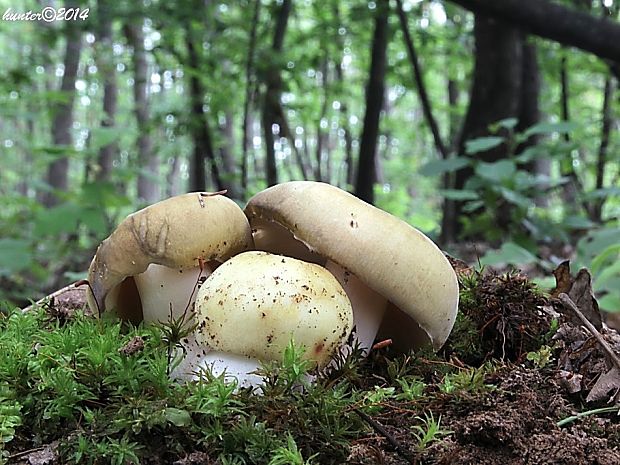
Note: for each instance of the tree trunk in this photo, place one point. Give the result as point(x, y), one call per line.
point(199, 125)
point(419, 80)
point(249, 94)
point(106, 65)
point(495, 95)
point(550, 20)
point(58, 171)
point(148, 162)
point(227, 156)
point(529, 113)
point(273, 113)
point(596, 208)
point(569, 189)
point(321, 137)
point(374, 103)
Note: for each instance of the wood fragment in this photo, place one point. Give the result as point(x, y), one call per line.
point(380, 429)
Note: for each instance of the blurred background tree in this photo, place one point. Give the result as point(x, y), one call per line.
point(486, 123)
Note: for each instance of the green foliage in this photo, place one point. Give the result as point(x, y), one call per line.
point(70, 381)
point(468, 380)
point(542, 357)
point(429, 431)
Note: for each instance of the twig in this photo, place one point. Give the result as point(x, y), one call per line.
point(400, 450)
point(26, 452)
point(55, 294)
point(567, 301)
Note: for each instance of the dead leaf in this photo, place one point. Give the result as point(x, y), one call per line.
point(563, 280)
point(579, 290)
point(606, 383)
point(570, 381)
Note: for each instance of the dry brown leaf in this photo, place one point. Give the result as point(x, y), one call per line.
point(607, 386)
point(579, 289)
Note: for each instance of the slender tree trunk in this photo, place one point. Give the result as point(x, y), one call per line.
point(349, 177)
point(596, 209)
point(320, 134)
point(250, 87)
point(173, 180)
point(227, 156)
point(58, 171)
point(148, 162)
point(273, 113)
point(419, 80)
point(106, 65)
point(199, 126)
point(374, 103)
point(529, 113)
point(569, 189)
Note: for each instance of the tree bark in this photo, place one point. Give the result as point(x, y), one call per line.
point(543, 18)
point(106, 65)
point(199, 126)
point(249, 94)
point(375, 91)
point(226, 150)
point(596, 208)
point(272, 94)
point(58, 171)
point(148, 162)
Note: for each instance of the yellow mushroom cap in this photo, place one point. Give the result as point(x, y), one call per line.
point(318, 222)
point(256, 302)
point(177, 233)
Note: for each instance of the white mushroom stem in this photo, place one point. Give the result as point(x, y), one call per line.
point(160, 287)
point(235, 367)
point(368, 305)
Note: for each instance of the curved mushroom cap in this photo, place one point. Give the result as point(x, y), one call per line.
point(256, 302)
point(177, 232)
point(319, 222)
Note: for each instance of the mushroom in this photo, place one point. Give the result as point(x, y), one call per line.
point(149, 268)
point(251, 307)
point(399, 282)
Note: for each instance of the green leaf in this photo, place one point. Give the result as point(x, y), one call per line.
point(482, 144)
point(509, 253)
point(496, 171)
point(610, 252)
point(610, 303)
point(506, 123)
point(577, 222)
point(15, 256)
point(515, 197)
point(562, 127)
point(60, 219)
point(437, 167)
point(456, 194)
point(178, 417)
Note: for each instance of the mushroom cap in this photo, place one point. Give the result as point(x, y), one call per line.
point(319, 222)
point(253, 305)
point(177, 232)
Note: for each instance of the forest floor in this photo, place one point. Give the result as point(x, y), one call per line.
point(523, 379)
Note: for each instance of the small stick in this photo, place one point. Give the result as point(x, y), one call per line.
point(568, 302)
point(400, 450)
point(381, 344)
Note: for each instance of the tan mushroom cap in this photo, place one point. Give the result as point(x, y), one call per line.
point(177, 232)
point(387, 254)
